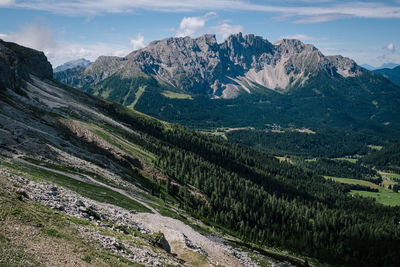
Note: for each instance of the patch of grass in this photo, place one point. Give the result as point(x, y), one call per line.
point(386, 183)
point(170, 94)
point(79, 221)
point(138, 94)
point(352, 160)
point(390, 175)
point(87, 258)
point(191, 257)
point(77, 171)
point(52, 232)
point(91, 191)
point(15, 255)
point(123, 144)
point(311, 160)
point(282, 159)
point(384, 196)
point(264, 262)
point(305, 130)
point(353, 181)
point(375, 147)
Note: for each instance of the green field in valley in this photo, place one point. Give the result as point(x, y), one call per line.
point(170, 94)
point(353, 181)
point(393, 176)
point(384, 196)
point(352, 160)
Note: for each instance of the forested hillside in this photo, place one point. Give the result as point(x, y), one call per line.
point(388, 156)
point(255, 197)
point(320, 142)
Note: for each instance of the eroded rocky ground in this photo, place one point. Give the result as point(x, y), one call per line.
point(146, 238)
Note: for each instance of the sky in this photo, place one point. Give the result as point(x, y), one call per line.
point(366, 31)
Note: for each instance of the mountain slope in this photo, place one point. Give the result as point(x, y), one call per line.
point(392, 74)
point(244, 81)
point(123, 173)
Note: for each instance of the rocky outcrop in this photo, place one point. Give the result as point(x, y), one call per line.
point(237, 65)
point(17, 63)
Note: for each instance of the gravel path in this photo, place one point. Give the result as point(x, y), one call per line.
point(88, 179)
point(176, 232)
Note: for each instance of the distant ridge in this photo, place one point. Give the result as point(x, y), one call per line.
point(383, 66)
point(392, 74)
point(72, 64)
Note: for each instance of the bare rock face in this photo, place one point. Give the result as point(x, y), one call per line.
point(17, 63)
point(236, 66)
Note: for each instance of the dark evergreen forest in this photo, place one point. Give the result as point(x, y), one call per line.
point(253, 196)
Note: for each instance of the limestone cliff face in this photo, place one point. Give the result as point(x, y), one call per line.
point(17, 63)
point(225, 70)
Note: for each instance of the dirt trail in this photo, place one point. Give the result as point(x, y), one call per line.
point(174, 230)
point(93, 181)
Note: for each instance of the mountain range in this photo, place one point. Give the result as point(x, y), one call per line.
point(87, 181)
point(383, 66)
point(226, 70)
point(243, 81)
point(73, 64)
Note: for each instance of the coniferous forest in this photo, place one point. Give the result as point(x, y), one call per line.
point(256, 197)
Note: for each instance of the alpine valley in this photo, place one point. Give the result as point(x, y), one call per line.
point(190, 152)
point(243, 81)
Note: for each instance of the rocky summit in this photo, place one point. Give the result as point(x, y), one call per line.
point(225, 70)
point(82, 62)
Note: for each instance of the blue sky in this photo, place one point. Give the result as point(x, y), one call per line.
point(367, 31)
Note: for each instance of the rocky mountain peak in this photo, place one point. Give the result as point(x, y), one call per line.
point(239, 46)
point(345, 66)
point(293, 46)
point(81, 62)
point(204, 66)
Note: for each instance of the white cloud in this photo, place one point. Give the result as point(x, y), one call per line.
point(303, 37)
point(138, 42)
point(390, 47)
point(372, 56)
point(3, 36)
point(195, 26)
point(321, 18)
point(5, 3)
point(224, 29)
point(33, 36)
point(58, 52)
point(190, 26)
point(313, 12)
point(69, 51)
